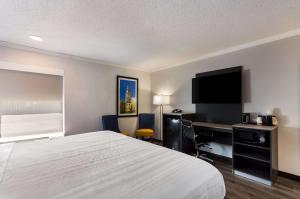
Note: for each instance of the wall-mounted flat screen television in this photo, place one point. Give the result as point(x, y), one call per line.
point(220, 87)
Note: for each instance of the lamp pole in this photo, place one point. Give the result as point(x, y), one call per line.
point(161, 100)
point(160, 122)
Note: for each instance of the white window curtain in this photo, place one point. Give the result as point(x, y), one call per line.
point(31, 104)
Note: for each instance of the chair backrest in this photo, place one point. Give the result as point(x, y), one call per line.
point(146, 121)
point(198, 138)
point(110, 122)
point(188, 130)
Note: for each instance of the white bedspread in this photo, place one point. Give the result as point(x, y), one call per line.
point(103, 165)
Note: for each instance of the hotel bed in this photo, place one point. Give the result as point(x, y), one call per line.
point(105, 165)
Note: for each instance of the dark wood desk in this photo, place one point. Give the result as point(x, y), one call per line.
point(254, 160)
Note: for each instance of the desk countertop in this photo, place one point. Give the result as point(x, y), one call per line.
point(213, 125)
point(254, 126)
point(230, 127)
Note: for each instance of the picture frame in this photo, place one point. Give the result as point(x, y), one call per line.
point(127, 96)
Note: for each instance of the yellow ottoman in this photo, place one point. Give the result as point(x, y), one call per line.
point(144, 133)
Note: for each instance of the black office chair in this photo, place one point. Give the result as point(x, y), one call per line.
point(201, 140)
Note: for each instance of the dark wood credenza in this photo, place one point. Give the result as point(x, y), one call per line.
point(256, 161)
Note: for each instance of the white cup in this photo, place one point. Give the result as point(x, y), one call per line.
point(259, 120)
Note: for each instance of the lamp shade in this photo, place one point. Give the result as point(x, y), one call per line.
point(161, 99)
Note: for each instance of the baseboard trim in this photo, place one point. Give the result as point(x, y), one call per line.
point(252, 177)
point(156, 140)
point(289, 175)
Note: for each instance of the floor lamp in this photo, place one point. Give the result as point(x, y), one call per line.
point(161, 100)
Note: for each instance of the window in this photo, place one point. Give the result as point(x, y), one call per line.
point(31, 105)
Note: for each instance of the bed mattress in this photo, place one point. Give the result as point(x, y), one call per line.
point(105, 165)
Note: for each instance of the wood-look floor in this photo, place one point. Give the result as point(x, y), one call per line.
point(238, 187)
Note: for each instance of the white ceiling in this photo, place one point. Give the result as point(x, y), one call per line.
point(144, 34)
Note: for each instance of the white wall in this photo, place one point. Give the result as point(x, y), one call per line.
point(271, 81)
point(90, 89)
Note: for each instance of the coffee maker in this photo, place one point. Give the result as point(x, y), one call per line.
point(269, 120)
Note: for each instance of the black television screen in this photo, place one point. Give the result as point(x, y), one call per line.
point(218, 87)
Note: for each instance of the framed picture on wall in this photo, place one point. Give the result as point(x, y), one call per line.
point(127, 96)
